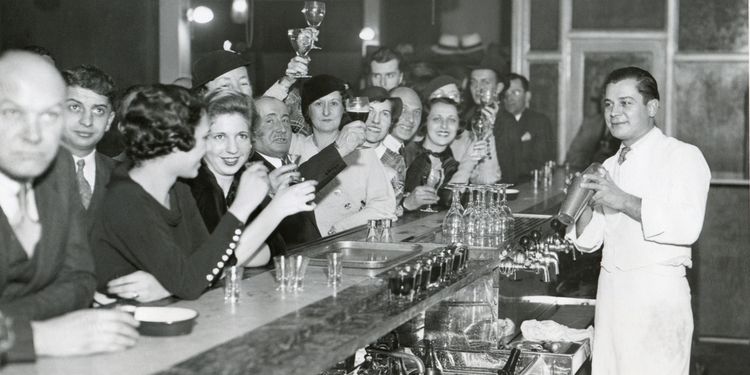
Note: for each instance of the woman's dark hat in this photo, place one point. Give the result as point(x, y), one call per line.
point(318, 87)
point(214, 64)
point(437, 83)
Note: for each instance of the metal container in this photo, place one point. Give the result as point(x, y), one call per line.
point(368, 255)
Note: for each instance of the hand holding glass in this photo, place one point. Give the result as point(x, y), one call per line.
point(358, 108)
point(302, 41)
point(314, 12)
point(433, 180)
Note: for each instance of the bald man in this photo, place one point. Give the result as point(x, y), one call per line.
point(272, 138)
point(46, 271)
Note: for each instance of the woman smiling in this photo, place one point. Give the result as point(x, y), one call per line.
point(150, 241)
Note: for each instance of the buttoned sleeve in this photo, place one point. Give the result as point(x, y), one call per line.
point(277, 91)
point(673, 212)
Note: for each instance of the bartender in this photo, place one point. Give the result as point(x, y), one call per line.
point(647, 211)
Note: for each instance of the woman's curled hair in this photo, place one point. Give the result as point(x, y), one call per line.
point(159, 119)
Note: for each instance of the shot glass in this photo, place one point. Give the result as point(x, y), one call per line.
point(335, 268)
point(298, 264)
point(232, 280)
point(280, 264)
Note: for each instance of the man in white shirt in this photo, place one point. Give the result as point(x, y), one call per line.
point(647, 211)
point(88, 113)
point(47, 271)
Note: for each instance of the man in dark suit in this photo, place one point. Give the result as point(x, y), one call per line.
point(523, 137)
point(272, 137)
point(88, 113)
point(46, 270)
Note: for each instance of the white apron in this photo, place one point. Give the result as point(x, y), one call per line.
point(643, 323)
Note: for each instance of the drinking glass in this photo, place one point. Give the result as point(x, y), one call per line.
point(335, 267)
point(232, 280)
point(302, 42)
point(433, 180)
point(494, 213)
point(453, 224)
point(505, 223)
point(482, 219)
point(298, 264)
point(469, 213)
point(293, 159)
point(7, 338)
point(314, 12)
point(358, 108)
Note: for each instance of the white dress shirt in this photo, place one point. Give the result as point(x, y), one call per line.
point(89, 168)
point(672, 180)
point(9, 189)
point(276, 162)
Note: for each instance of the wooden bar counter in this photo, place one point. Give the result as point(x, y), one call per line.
point(270, 332)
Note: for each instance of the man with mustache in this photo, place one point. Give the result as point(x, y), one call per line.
point(272, 137)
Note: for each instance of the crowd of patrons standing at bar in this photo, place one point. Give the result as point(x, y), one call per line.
point(199, 177)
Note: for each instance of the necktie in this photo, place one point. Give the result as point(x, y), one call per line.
point(84, 189)
point(623, 155)
point(27, 230)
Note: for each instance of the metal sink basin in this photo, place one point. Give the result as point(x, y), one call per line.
point(368, 255)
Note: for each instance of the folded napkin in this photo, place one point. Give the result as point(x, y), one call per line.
point(549, 330)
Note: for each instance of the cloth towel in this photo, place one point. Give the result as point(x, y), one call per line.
point(549, 330)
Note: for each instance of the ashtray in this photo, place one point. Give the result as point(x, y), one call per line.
point(165, 321)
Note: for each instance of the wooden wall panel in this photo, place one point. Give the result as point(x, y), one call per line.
point(721, 260)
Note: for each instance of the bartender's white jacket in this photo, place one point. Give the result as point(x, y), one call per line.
point(358, 193)
point(643, 317)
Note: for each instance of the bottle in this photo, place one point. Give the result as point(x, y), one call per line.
point(372, 231)
point(432, 365)
point(386, 235)
point(511, 363)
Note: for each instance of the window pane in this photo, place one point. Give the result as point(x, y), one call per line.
point(545, 25)
point(543, 82)
point(710, 111)
point(719, 25)
point(620, 15)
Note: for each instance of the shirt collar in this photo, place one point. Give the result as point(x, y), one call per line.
point(277, 162)
point(89, 159)
point(650, 137)
point(392, 143)
point(9, 186)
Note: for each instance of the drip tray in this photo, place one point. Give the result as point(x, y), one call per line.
point(368, 255)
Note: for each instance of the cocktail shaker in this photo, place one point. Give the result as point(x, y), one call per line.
point(578, 197)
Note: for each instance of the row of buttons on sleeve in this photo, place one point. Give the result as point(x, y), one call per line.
point(230, 250)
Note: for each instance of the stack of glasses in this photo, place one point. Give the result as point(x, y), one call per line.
point(486, 222)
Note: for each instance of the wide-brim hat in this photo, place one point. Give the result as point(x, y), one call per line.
point(449, 44)
point(214, 64)
point(318, 87)
point(379, 94)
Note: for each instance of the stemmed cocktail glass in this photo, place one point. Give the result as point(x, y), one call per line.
point(302, 41)
point(314, 12)
point(433, 180)
point(453, 223)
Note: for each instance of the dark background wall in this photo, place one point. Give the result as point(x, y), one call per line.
point(120, 37)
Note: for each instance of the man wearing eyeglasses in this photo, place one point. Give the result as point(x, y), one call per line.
point(524, 139)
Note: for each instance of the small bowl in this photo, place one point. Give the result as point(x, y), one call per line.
point(511, 194)
point(165, 321)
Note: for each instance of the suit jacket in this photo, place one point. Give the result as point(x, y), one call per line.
point(63, 277)
point(302, 227)
point(523, 145)
point(104, 167)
